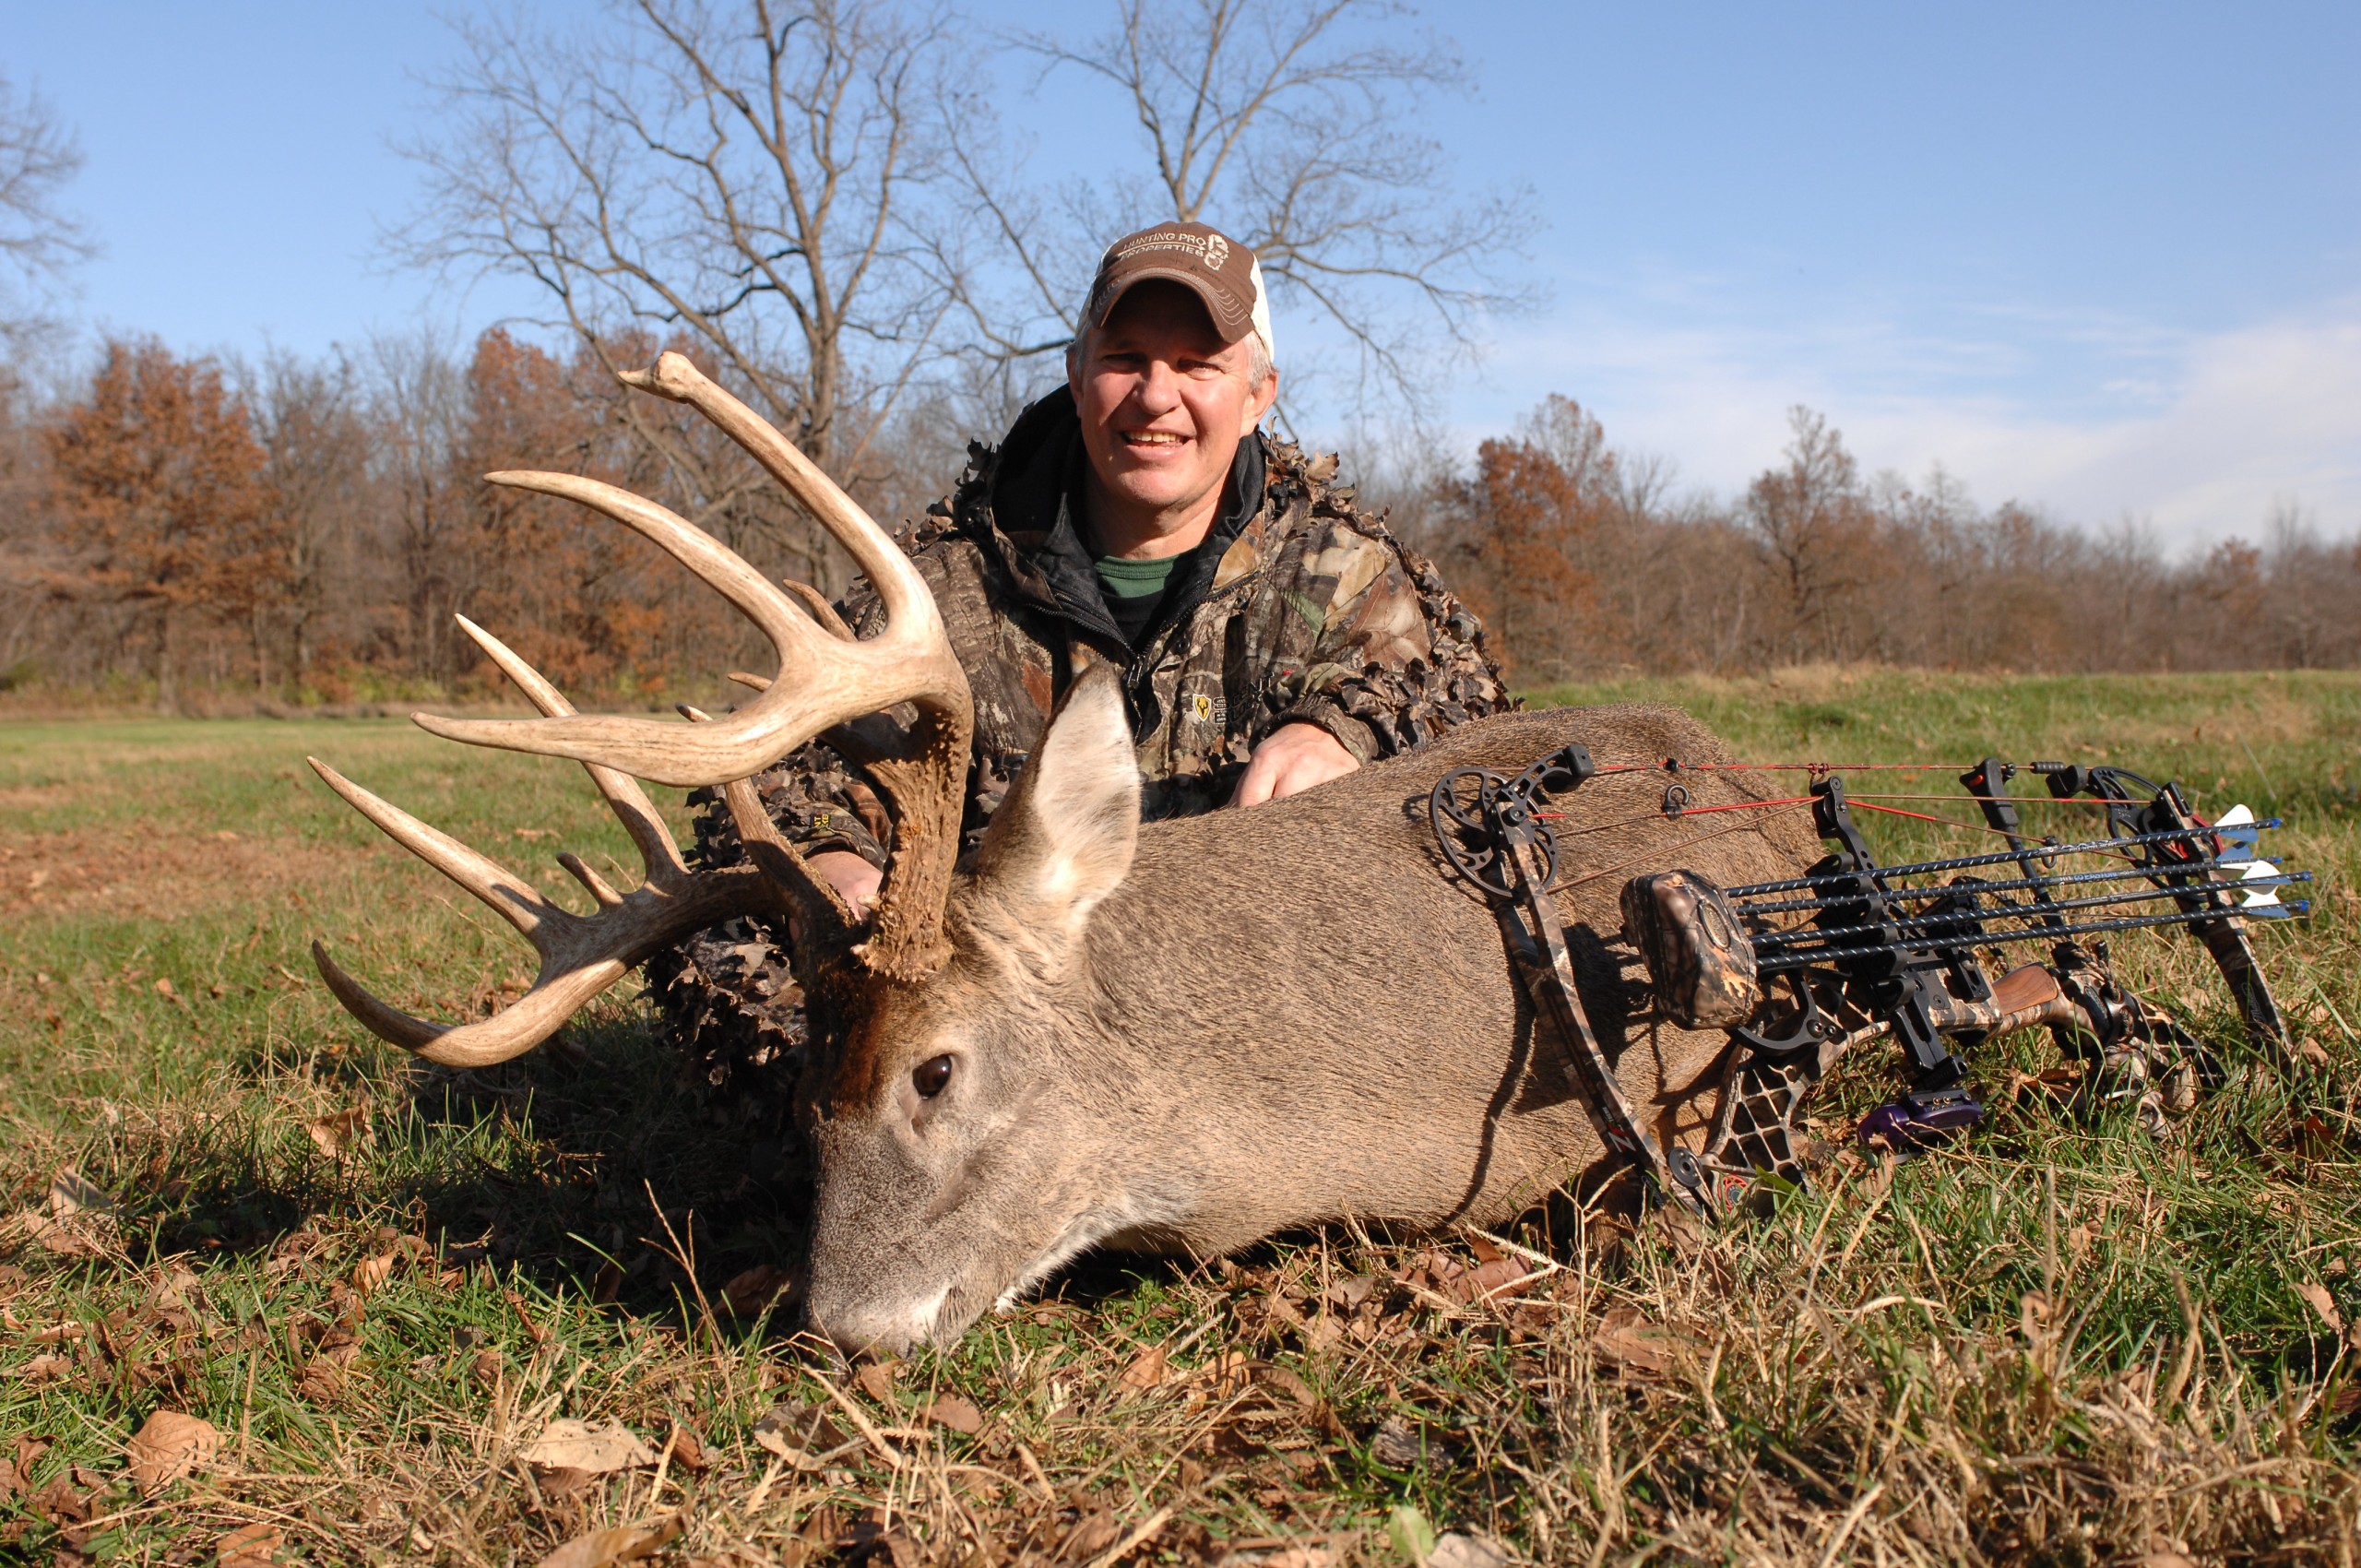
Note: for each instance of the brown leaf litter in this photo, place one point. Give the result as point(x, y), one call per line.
point(169, 1445)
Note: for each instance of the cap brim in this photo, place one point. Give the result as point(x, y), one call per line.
point(1232, 330)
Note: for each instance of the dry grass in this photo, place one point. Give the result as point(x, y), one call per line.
point(380, 1284)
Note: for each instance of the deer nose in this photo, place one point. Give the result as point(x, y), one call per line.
point(859, 1329)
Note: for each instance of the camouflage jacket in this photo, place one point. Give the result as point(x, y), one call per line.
point(1299, 607)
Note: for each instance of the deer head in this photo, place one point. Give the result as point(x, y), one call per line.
point(934, 1018)
point(951, 1173)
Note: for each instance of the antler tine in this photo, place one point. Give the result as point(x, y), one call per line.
point(828, 921)
point(815, 604)
point(581, 955)
point(759, 733)
point(503, 891)
point(511, 1032)
point(899, 588)
point(658, 851)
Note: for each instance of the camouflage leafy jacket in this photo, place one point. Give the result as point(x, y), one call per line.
point(1299, 607)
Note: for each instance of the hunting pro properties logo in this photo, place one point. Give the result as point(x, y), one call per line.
point(1212, 250)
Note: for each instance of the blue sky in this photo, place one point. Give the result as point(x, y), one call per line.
point(2107, 258)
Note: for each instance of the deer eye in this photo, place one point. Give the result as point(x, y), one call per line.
point(929, 1078)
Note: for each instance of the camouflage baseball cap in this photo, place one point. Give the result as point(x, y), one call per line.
point(1220, 271)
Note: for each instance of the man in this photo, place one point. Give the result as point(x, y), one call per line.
point(1272, 637)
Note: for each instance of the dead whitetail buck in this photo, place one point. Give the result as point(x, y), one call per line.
point(1176, 1037)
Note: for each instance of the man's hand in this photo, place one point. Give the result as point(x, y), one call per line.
point(1290, 760)
point(854, 879)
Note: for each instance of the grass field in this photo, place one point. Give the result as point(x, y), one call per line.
point(380, 1283)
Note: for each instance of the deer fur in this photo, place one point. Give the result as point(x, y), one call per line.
point(1184, 1036)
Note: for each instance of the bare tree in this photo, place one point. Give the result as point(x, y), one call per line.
point(39, 240)
point(1811, 521)
point(1289, 124)
point(742, 178)
point(419, 407)
point(308, 416)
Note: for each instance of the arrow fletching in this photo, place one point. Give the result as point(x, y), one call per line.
point(2240, 835)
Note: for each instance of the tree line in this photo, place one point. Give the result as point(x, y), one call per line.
point(306, 531)
point(1585, 562)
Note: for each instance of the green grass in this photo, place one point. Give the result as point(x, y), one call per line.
point(2063, 1343)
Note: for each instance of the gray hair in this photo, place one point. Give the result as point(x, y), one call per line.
point(1258, 362)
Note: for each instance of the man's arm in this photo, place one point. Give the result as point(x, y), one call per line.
point(1397, 659)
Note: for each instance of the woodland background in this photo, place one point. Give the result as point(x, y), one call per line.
point(818, 205)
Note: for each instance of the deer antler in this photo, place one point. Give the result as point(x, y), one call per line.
point(581, 955)
point(827, 681)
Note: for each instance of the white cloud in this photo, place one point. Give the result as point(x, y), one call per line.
point(2200, 434)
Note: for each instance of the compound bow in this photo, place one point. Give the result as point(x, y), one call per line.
point(1803, 969)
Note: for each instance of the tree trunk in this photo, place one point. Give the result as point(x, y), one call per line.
point(164, 688)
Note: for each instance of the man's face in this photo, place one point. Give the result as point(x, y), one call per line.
point(1164, 400)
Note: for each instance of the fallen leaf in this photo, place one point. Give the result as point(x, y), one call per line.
point(876, 1380)
point(750, 1292)
point(49, 1235)
point(1350, 1293)
point(1630, 1344)
point(1488, 1278)
point(61, 1502)
point(1395, 1444)
point(1411, 1535)
point(960, 1415)
point(249, 1546)
point(600, 1548)
point(1465, 1548)
point(47, 1367)
point(579, 1445)
point(1146, 1370)
point(1296, 1557)
point(558, 1485)
point(337, 1134)
point(369, 1273)
point(688, 1449)
point(1227, 1372)
point(169, 1445)
point(2316, 1297)
point(321, 1381)
point(1090, 1536)
point(1290, 1384)
point(798, 1433)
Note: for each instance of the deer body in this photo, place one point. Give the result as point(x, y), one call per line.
point(1272, 1018)
point(1181, 1037)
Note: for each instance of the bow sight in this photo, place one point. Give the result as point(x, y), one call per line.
point(1800, 971)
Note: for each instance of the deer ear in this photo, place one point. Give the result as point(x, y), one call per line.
point(1064, 838)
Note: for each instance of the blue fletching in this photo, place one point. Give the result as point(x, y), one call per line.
point(2240, 835)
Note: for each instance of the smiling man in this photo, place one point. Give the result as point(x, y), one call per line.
point(1272, 636)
